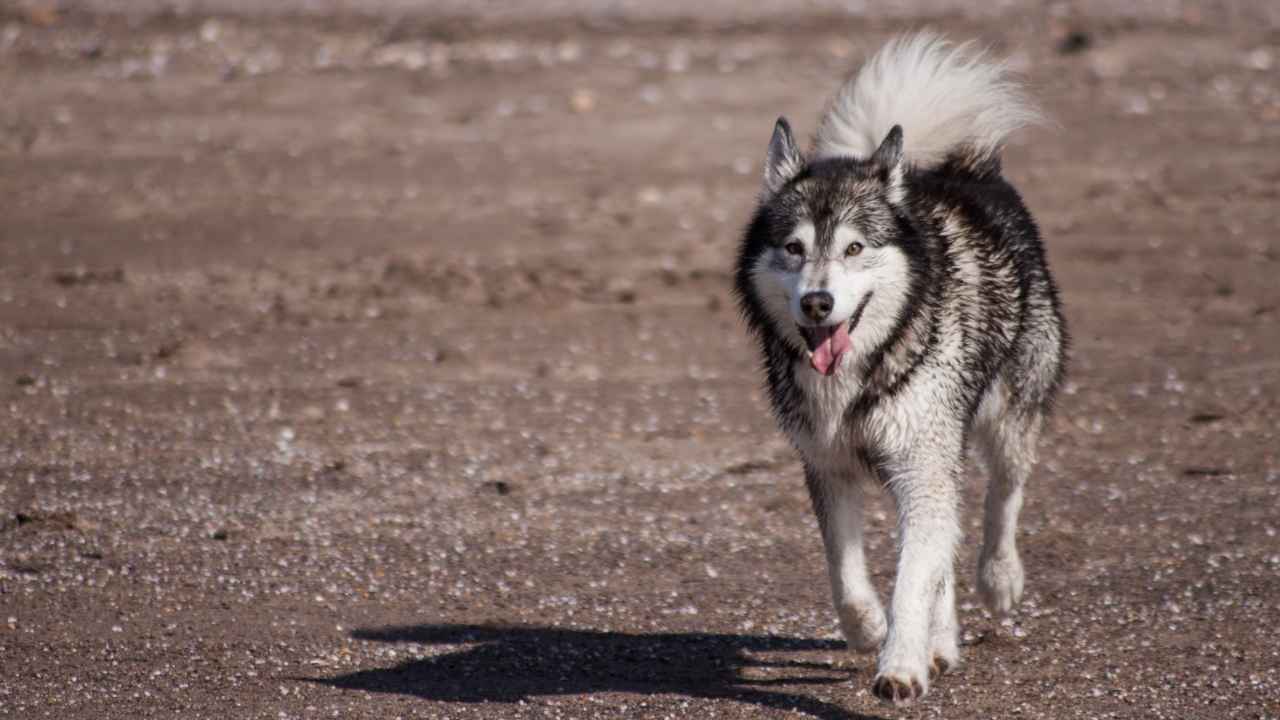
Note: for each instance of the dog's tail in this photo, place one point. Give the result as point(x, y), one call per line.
point(954, 104)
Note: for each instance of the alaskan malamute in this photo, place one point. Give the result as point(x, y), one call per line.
point(898, 290)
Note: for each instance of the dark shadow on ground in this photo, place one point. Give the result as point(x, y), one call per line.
point(510, 664)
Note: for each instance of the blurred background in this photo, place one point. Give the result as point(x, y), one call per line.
point(376, 358)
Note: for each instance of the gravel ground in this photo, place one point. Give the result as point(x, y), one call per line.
point(364, 360)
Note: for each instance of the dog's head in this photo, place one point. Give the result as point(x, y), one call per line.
point(829, 258)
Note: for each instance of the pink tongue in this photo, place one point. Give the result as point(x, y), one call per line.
point(826, 357)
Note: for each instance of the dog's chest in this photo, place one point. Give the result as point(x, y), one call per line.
point(830, 439)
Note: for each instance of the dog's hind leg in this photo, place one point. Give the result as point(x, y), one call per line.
point(838, 503)
point(1008, 444)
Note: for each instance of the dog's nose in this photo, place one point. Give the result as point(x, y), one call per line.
point(817, 305)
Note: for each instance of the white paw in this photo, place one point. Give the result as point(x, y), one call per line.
point(1000, 582)
point(863, 624)
point(901, 684)
point(944, 654)
point(903, 674)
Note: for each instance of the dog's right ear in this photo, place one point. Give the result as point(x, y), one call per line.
point(782, 162)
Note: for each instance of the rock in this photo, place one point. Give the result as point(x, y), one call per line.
point(582, 101)
point(1076, 41)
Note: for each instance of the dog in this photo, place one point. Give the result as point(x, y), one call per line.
point(898, 291)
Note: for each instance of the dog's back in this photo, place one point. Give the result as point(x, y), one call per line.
point(992, 307)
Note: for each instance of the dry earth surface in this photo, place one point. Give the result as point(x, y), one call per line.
point(374, 360)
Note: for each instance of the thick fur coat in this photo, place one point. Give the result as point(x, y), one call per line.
point(898, 291)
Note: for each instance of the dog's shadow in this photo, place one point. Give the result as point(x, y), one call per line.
point(510, 664)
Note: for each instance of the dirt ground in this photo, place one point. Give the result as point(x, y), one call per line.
point(382, 364)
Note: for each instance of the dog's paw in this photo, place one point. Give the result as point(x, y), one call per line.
point(864, 625)
point(945, 655)
point(900, 686)
point(1000, 583)
point(942, 663)
point(938, 667)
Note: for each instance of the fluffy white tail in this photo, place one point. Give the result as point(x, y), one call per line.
point(947, 98)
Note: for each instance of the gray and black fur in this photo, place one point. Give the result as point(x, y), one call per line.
point(955, 328)
point(1007, 321)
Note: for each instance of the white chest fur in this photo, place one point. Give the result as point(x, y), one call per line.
point(830, 441)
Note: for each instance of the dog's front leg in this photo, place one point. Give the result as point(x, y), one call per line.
point(922, 621)
point(838, 503)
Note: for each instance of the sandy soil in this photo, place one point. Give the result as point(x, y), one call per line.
point(383, 365)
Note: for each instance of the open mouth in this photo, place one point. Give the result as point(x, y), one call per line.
point(828, 343)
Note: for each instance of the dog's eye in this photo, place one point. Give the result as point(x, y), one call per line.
point(853, 249)
point(794, 248)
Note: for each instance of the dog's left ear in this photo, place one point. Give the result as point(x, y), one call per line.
point(782, 161)
point(888, 162)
